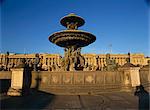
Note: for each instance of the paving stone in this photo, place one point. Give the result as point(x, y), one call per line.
point(42, 101)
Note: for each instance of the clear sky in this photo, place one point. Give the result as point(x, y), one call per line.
point(27, 24)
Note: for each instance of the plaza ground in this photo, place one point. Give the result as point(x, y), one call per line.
point(44, 101)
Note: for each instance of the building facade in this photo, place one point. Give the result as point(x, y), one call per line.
point(47, 60)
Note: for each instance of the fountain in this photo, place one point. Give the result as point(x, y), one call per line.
point(72, 40)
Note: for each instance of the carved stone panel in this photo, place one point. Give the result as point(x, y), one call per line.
point(110, 78)
point(78, 78)
point(55, 79)
point(44, 79)
point(89, 79)
point(67, 78)
point(100, 79)
point(17, 78)
point(118, 77)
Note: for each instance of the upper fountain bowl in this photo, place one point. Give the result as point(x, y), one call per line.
point(72, 18)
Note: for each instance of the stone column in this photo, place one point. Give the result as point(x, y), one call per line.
point(16, 82)
point(145, 77)
point(59, 60)
point(55, 60)
point(52, 61)
point(94, 60)
point(99, 65)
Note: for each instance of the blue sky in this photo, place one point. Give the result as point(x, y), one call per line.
point(27, 24)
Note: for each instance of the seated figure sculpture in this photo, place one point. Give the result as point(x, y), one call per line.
point(21, 64)
point(72, 60)
point(36, 62)
point(1, 67)
point(111, 64)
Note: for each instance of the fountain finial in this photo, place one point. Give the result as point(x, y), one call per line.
point(72, 21)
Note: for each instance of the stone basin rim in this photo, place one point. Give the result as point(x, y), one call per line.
point(70, 31)
point(82, 38)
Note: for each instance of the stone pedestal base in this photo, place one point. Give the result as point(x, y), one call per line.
point(14, 92)
point(16, 82)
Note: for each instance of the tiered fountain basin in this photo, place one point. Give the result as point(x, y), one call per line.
point(68, 38)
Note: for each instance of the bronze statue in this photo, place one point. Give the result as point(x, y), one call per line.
point(36, 62)
point(111, 64)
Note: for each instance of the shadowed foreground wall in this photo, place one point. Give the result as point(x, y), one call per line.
point(145, 77)
point(5, 81)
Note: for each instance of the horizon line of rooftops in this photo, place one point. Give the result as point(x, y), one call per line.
point(13, 53)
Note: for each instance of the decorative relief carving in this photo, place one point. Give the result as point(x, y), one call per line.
point(44, 79)
point(78, 79)
point(67, 79)
point(100, 79)
point(89, 79)
point(55, 79)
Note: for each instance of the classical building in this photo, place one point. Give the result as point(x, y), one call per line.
point(47, 60)
point(120, 59)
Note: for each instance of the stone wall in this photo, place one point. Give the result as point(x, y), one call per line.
point(145, 77)
point(5, 75)
point(79, 82)
point(82, 82)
